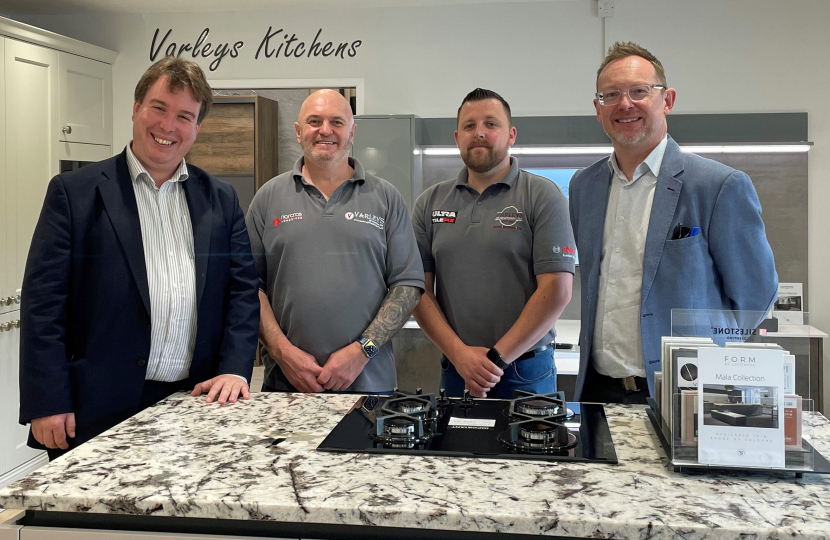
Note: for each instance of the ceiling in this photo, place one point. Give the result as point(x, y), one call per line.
point(57, 7)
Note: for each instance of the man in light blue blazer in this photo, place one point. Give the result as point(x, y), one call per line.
point(655, 229)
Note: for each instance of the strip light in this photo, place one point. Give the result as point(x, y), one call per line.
point(604, 150)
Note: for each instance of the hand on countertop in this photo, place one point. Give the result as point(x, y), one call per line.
point(51, 431)
point(226, 387)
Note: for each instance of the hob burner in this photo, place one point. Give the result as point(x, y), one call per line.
point(406, 420)
point(535, 423)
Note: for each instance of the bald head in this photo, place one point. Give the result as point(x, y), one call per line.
point(325, 128)
point(325, 100)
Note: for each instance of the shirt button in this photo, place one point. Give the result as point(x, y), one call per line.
point(608, 314)
point(617, 250)
point(613, 282)
point(608, 347)
point(479, 203)
point(622, 218)
point(141, 362)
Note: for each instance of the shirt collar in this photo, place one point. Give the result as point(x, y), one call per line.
point(508, 179)
point(137, 170)
point(359, 174)
point(652, 163)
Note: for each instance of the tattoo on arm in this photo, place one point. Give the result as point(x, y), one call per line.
point(393, 313)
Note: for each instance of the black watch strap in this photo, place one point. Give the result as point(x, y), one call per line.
point(495, 357)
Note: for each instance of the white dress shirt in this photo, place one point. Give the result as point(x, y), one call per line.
point(167, 235)
point(618, 348)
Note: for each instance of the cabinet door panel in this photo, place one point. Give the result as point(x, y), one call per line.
point(85, 100)
point(6, 286)
point(13, 436)
point(31, 120)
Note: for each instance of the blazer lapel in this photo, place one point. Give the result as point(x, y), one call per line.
point(117, 192)
point(666, 195)
point(199, 204)
point(595, 219)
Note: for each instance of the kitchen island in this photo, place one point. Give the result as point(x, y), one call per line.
point(251, 469)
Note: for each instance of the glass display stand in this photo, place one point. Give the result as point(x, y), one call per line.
point(674, 410)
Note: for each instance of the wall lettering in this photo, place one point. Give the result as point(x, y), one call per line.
point(275, 44)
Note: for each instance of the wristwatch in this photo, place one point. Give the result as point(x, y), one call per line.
point(369, 347)
point(495, 357)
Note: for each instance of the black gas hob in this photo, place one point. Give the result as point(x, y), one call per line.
point(530, 426)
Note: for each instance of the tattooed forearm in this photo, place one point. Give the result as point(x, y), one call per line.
point(393, 313)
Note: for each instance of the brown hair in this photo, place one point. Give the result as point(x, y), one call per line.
point(620, 50)
point(180, 73)
point(480, 94)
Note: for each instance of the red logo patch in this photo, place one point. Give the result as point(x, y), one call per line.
point(571, 251)
point(276, 221)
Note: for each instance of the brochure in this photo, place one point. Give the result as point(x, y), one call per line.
point(741, 406)
point(788, 307)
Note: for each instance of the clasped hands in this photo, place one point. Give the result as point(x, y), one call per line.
point(53, 431)
point(480, 374)
point(306, 375)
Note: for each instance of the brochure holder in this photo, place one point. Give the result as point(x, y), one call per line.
point(675, 408)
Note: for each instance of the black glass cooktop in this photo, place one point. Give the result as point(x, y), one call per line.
point(530, 426)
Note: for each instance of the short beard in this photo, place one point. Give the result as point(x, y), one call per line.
point(325, 161)
point(487, 164)
point(633, 140)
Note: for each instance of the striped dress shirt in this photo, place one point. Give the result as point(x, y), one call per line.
point(618, 346)
point(167, 235)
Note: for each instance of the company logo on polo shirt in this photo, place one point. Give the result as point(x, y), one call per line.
point(443, 216)
point(509, 218)
point(360, 217)
point(566, 251)
point(288, 217)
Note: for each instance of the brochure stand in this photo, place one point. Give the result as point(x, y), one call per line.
point(735, 409)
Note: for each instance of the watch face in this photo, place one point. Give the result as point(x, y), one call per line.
point(370, 348)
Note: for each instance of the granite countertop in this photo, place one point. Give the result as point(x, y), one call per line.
point(257, 461)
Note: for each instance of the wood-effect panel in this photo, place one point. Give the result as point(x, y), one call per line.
point(267, 140)
point(225, 145)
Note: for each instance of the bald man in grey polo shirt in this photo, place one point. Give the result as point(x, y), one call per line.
point(338, 263)
point(498, 255)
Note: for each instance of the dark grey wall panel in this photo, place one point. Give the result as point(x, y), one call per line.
point(685, 128)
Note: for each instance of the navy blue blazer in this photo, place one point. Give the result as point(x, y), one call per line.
point(85, 313)
point(728, 266)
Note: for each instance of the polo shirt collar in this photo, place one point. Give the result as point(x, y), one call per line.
point(138, 172)
point(359, 174)
point(652, 162)
point(509, 179)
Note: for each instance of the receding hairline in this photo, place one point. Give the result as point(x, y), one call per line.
point(646, 60)
point(346, 107)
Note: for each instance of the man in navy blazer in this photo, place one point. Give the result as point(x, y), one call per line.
point(655, 229)
point(139, 281)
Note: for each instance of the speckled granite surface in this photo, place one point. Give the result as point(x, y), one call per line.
point(257, 461)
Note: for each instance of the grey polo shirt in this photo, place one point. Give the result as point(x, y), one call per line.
point(326, 266)
point(486, 249)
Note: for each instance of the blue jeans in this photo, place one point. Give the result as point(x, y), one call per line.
point(537, 375)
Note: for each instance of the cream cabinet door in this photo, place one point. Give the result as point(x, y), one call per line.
point(31, 74)
point(6, 283)
point(13, 436)
point(85, 100)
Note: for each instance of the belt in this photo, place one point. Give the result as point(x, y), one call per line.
point(531, 354)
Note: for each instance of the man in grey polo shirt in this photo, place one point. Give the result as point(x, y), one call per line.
point(498, 255)
point(337, 259)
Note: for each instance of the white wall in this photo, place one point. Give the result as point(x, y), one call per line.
point(721, 55)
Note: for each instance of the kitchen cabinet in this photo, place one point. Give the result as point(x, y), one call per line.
point(55, 104)
point(85, 100)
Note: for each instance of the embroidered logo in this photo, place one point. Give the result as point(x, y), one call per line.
point(443, 216)
point(509, 218)
point(370, 219)
point(556, 249)
point(285, 218)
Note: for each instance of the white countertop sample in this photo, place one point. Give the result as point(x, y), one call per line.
point(256, 460)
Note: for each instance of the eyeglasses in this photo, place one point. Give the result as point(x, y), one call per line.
point(635, 93)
